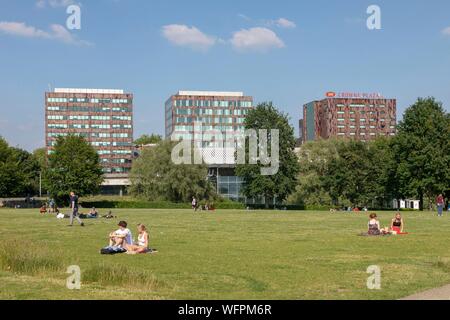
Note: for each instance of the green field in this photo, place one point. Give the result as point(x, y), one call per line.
point(223, 255)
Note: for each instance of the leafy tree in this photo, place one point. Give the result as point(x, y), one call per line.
point(148, 139)
point(382, 186)
point(347, 176)
point(422, 150)
point(314, 159)
point(40, 155)
point(18, 172)
point(155, 177)
point(280, 185)
point(73, 165)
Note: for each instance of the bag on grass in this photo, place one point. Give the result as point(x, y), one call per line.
point(112, 250)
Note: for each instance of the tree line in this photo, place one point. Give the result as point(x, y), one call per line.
point(413, 164)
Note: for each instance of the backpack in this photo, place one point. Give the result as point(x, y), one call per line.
point(112, 250)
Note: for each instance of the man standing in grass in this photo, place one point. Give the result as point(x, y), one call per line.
point(74, 209)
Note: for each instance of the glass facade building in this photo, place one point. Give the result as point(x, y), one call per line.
point(216, 111)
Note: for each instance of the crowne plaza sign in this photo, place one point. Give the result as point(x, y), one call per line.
point(353, 95)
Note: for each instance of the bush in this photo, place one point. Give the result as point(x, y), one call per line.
point(134, 205)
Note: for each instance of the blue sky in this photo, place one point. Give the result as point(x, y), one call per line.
point(289, 52)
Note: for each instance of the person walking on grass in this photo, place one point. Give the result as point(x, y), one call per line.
point(440, 205)
point(74, 209)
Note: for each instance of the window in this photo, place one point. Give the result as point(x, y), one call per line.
point(62, 100)
point(57, 126)
point(56, 117)
point(102, 118)
point(120, 135)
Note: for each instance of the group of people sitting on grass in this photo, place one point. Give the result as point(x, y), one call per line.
point(202, 207)
point(121, 241)
point(374, 227)
point(92, 214)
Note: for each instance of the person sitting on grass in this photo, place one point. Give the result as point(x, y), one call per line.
point(397, 224)
point(43, 209)
point(374, 225)
point(143, 242)
point(121, 238)
point(93, 214)
point(109, 215)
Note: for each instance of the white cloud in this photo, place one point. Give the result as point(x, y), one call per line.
point(184, 36)
point(54, 3)
point(285, 23)
point(446, 31)
point(57, 32)
point(256, 39)
point(22, 30)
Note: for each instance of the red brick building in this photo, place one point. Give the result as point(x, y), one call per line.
point(349, 115)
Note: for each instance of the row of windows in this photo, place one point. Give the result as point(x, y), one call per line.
point(87, 126)
point(361, 127)
point(115, 161)
point(107, 152)
point(360, 120)
point(209, 120)
point(217, 112)
point(95, 118)
point(212, 103)
point(93, 135)
point(87, 109)
point(363, 134)
point(356, 105)
point(108, 144)
point(208, 128)
point(87, 100)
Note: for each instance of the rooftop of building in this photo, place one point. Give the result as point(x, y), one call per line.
point(88, 91)
point(210, 93)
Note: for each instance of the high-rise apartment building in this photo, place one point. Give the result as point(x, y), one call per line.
point(349, 115)
point(103, 117)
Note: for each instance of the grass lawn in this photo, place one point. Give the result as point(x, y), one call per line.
point(223, 255)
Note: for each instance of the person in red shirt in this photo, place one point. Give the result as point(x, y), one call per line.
point(440, 205)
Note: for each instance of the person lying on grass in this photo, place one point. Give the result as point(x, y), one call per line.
point(143, 242)
point(122, 237)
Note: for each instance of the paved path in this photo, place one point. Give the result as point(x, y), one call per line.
point(433, 294)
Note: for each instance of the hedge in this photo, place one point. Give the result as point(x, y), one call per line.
point(108, 204)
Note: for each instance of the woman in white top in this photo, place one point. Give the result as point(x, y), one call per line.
point(143, 241)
